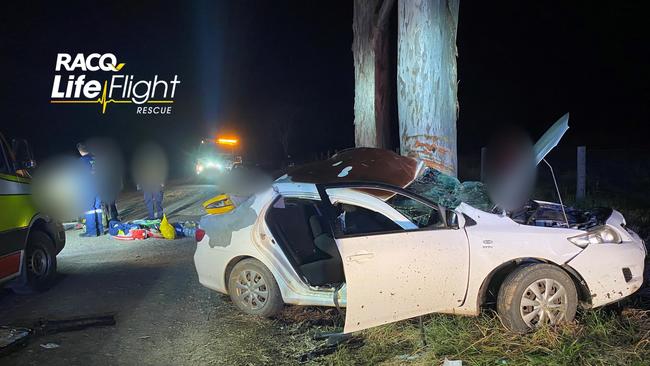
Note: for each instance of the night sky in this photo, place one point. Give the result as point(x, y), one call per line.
point(246, 65)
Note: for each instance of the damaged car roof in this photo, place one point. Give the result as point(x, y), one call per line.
point(360, 165)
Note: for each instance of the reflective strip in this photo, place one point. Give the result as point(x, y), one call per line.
point(10, 265)
point(15, 178)
point(11, 187)
point(99, 210)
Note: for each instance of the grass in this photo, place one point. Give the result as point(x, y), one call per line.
point(601, 337)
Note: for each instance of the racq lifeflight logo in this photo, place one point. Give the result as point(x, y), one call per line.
point(73, 86)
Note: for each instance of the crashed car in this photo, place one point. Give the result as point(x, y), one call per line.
point(389, 239)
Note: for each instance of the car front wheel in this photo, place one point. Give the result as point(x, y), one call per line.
point(253, 289)
point(536, 295)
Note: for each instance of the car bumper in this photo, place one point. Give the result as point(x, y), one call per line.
point(210, 265)
point(611, 271)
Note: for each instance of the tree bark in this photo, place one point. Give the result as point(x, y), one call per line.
point(427, 81)
point(365, 132)
point(383, 93)
point(372, 94)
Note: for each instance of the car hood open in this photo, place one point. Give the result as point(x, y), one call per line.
point(550, 138)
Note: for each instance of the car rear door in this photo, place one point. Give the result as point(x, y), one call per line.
point(399, 274)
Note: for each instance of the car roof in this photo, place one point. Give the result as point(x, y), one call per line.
point(359, 165)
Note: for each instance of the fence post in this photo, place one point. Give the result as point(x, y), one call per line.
point(483, 162)
point(581, 175)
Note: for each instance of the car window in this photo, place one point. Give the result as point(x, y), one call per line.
point(420, 214)
point(356, 220)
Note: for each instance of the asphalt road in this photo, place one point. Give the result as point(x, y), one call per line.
point(164, 316)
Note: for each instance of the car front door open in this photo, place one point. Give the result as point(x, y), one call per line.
point(401, 274)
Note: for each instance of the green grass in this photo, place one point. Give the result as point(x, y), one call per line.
point(596, 338)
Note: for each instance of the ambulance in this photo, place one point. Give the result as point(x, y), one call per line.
point(29, 240)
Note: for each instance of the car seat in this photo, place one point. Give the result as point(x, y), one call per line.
point(328, 271)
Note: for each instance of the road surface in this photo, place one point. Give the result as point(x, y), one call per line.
point(164, 316)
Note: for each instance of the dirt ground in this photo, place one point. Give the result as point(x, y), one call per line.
point(164, 316)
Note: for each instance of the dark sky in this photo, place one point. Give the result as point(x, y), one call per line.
point(244, 65)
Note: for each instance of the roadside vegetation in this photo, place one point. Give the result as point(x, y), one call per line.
point(597, 338)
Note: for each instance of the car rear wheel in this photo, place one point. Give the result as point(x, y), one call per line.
point(39, 265)
point(253, 289)
point(536, 295)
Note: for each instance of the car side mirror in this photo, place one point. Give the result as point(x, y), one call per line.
point(23, 154)
point(455, 220)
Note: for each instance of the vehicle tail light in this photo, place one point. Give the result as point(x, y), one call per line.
point(200, 233)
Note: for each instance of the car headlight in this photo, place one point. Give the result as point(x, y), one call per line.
point(598, 235)
point(199, 168)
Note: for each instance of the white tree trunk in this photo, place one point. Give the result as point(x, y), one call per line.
point(365, 133)
point(427, 81)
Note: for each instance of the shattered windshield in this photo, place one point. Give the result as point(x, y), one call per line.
point(417, 212)
point(449, 192)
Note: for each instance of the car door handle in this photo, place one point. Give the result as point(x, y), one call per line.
point(360, 257)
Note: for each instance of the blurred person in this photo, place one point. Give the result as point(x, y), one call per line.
point(153, 198)
point(113, 215)
point(150, 173)
point(108, 174)
point(94, 225)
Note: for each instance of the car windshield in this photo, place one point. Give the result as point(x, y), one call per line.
point(417, 212)
point(449, 192)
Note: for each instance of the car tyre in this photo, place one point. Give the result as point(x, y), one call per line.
point(39, 265)
point(253, 289)
point(534, 295)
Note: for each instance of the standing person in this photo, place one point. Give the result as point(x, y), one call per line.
point(94, 226)
point(150, 173)
point(108, 174)
point(153, 197)
point(112, 211)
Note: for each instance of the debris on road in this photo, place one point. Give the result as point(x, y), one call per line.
point(45, 326)
point(12, 338)
point(350, 342)
point(448, 362)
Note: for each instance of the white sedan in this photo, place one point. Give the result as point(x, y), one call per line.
point(390, 239)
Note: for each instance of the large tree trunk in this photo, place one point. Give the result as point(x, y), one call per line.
point(426, 81)
point(370, 48)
